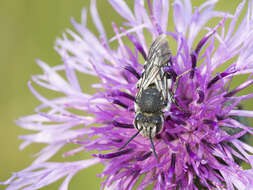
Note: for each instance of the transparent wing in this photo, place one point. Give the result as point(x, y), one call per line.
point(158, 57)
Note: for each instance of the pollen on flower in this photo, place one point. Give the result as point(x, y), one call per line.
point(194, 136)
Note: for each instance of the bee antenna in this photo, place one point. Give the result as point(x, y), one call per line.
point(130, 139)
point(152, 144)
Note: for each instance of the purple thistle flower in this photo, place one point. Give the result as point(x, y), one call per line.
point(200, 149)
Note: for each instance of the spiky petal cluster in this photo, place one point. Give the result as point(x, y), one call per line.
point(200, 149)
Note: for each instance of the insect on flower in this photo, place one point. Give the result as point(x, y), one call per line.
point(154, 95)
point(192, 125)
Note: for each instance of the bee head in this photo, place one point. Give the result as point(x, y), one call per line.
point(152, 123)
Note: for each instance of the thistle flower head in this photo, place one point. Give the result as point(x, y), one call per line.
point(200, 146)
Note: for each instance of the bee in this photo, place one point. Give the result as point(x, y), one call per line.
point(153, 97)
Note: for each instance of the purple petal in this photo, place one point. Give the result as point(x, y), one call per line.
point(40, 175)
point(123, 10)
point(96, 19)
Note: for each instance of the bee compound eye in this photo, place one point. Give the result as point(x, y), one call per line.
point(137, 120)
point(158, 128)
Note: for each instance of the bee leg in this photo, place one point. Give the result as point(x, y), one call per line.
point(177, 80)
point(173, 91)
point(152, 144)
point(168, 77)
point(137, 133)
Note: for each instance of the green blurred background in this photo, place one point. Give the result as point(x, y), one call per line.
point(28, 31)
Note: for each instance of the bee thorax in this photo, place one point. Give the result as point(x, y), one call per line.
point(151, 101)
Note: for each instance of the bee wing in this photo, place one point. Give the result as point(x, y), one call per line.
point(159, 56)
point(163, 84)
